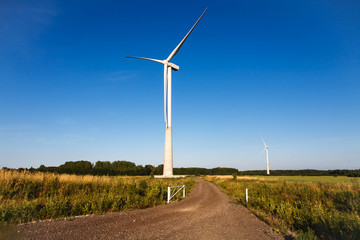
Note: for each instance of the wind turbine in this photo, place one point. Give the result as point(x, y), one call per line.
point(168, 66)
point(266, 149)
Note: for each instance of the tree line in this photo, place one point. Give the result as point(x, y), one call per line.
point(127, 168)
point(304, 172)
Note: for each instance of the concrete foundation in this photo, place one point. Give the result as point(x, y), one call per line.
point(173, 176)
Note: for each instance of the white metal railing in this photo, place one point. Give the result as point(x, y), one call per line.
point(171, 195)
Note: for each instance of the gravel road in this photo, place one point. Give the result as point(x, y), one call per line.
point(207, 213)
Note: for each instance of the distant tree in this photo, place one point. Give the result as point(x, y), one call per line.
point(149, 169)
point(42, 168)
point(78, 167)
point(159, 169)
point(102, 168)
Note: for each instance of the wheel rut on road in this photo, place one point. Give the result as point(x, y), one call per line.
point(207, 213)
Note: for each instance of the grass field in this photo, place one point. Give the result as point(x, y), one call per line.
point(302, 179)
point(311, 207)
point(26, 196)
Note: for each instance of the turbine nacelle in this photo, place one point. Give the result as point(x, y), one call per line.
point(172, 65)
point(165, 62)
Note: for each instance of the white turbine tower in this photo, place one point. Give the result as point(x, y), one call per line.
point(266, 149)
point(168, 66)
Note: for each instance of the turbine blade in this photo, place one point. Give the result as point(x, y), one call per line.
point(149, 59)
point(175, 51)
point(165, 93)
point(264, 142)
point(261, 153)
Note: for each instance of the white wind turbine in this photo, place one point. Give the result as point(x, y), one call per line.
point(266, 149)
point(168, 66)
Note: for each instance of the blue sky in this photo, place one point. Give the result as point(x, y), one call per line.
point(287, 71)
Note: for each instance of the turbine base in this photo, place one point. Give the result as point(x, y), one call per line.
point(172, 176)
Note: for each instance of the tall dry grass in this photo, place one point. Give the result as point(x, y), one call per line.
point(26, 196)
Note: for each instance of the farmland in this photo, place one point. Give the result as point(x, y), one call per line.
point(26, 196)
point(312, 207)
point(323, 207)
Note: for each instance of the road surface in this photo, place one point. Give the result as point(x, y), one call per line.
point(207, 213)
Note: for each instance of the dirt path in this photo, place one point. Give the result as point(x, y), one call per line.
point(206, 214)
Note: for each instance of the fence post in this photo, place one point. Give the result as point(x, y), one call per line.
point(168, 195)
point(184, 192)
point(247, 196)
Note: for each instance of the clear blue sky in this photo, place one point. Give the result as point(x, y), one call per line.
point(287, 71)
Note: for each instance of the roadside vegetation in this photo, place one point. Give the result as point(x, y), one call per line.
point(27, 196)
point(312, 207)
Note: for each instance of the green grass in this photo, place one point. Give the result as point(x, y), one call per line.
point(313, 207)
point(26, 196)
point(310, 179)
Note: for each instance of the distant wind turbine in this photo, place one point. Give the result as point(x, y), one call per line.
point(168, 66)
point(266, 149)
